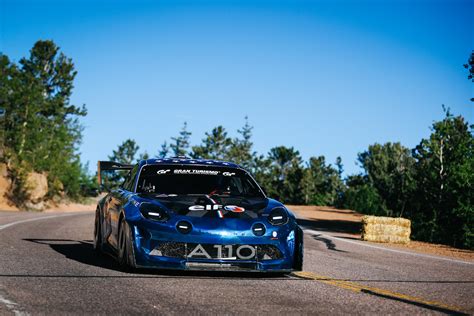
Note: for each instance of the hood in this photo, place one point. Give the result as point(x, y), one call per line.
point(211, 206)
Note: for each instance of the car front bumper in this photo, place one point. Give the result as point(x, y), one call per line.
point(161, 246)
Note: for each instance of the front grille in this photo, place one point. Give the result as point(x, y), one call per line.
point(218, 252)
point(268, 252)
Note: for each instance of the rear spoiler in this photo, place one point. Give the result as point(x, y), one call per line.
point(110, 165)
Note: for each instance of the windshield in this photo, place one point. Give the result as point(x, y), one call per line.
point(199, 180)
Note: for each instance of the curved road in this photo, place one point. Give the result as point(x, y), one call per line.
point(47, 266)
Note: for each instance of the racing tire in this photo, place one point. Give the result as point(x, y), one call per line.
point(97, 244)
point(298, 255)
point(126, 256)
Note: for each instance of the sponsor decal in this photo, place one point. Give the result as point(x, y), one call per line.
point(163, 171)
point(217, 207)
point(196, 172)
point(234, 208)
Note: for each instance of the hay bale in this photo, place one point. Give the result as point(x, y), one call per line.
point(386, 229)
point(398, 221)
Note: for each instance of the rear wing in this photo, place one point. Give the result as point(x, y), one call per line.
point(110, 165)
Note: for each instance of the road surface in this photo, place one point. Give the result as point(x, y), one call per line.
point(47, 266)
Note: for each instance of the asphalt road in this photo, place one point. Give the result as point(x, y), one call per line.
point(47, 266)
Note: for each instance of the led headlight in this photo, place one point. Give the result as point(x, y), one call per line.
point(278, 216)
point(153, 212)
point(258, 229)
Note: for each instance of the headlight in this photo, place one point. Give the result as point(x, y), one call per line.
point(153, 212)
point(278, 216)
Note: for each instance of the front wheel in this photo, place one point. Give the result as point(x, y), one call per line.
point(298, 254)
point(126, 256)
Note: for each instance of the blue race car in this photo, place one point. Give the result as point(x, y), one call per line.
point(195, 214)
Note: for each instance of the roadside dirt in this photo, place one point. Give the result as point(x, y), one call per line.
point(5, 206)
point(89, 205)
point(72, 206)
point(348, 222)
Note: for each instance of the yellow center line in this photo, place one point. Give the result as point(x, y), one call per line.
point(356, 287)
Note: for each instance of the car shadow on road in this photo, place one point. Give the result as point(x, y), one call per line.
point(82, 251)
point(78, 250)
point(328, 242)
point(336, 226)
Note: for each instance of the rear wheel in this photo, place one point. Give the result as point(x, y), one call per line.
point(126, 257)
point(97, 233)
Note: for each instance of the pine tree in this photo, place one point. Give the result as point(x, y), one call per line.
point(286, 174)
point(322, 183)
point(42, 129)
point(216, 145)
point(126, 152)
point(164, 150)
point(444, 175)
point(240, 150)
point(470, 68)
point(180, 144)
point(144, 156)
point(390, 170)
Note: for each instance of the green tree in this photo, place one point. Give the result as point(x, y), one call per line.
point(144, 156)
point(470, 68)
point(445, 174)
point(322, 183)
point(261, 172)
point(125, 153)
point(286, 174)
point(180, 144)
point(390, 170)
point(240, 150)
point(164, 150)
point(215, 145)
point(362, 197)
point(42, 129)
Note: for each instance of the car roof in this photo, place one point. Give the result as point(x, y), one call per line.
point(189, 162)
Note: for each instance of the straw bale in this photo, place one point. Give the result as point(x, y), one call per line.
point(386, 229)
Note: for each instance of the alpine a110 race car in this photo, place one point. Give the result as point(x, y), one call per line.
point(195, 214)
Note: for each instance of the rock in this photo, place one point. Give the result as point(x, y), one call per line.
point(3, 170)
point(40, 206)
point(36, 186)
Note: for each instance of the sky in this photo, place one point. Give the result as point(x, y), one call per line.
point(326, 77)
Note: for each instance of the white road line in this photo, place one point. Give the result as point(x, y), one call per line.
point(35, 219)
point(12, 306)
point(386, 249)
